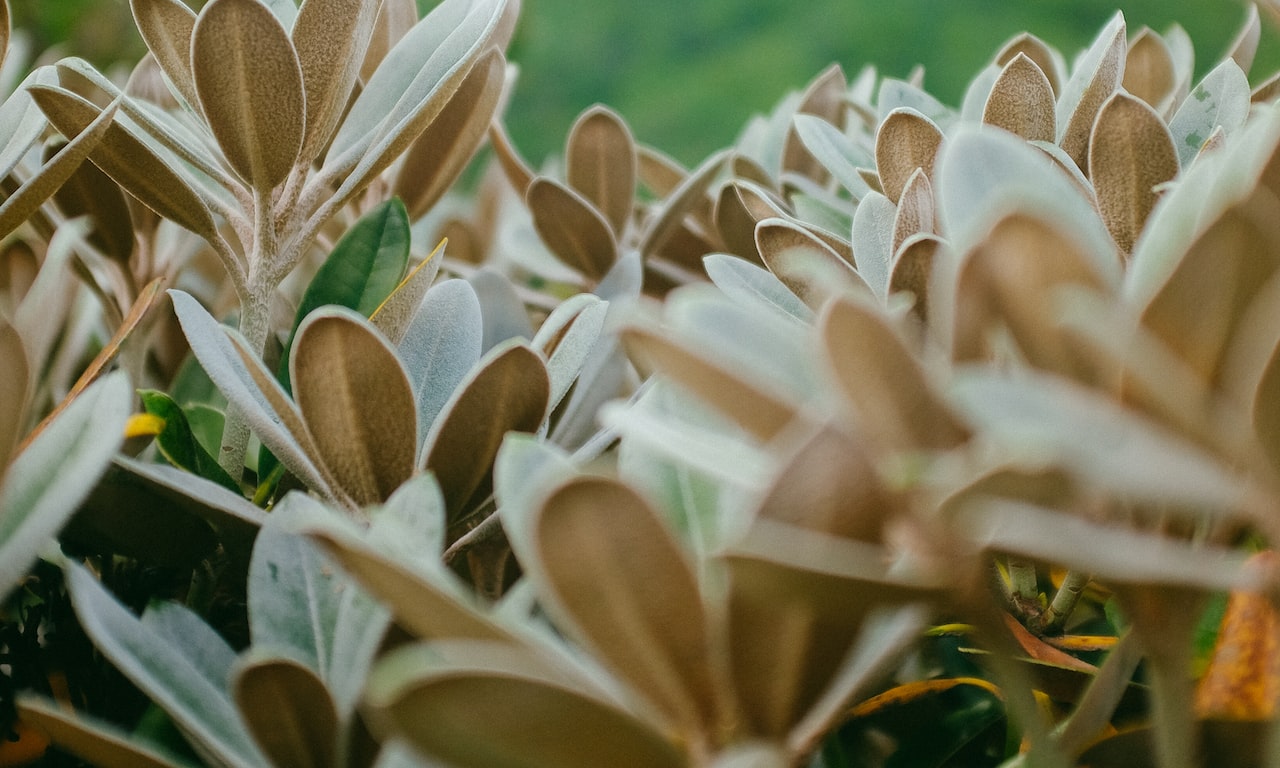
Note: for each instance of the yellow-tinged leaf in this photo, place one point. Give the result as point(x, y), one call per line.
point(1131, 152)
point(914, 691)
point(394, 314)
point(1243, 678)
point(1021, 101)
point(600, 164)
point(1082, 643)
point(249, 81)
point(143, 425)
point(905, 141)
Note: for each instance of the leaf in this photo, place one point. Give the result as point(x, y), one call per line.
point(835, 151)
point(745, 281)
point(250, 85)
point(439, 155)
point(600, 164)
point(892, 399)
point(1242, 681)
point(905, 141)
point(572, 228)
point(97, 741)
point(1021, 101)
point(1130, 154)
point(1245, 45)
point(166, 27)
point(15, 386)
point(779, 242)
point(178, 444)
point(48, 480)
point(683, 200)
point(129, 161)
point(394, 19)
point(1222, 98)
point(21, 123)
point(568, 351)
point(394, 314)
point(823, 97)
point(915, 213)
point(504, 314)
point(1097, 75)
point(91, 192)
point(1035, 49)
point(440, 347)
point(361, 271)
point(618, 578)
point(288, 711)
point(330, 38)
point(508, 391)
point(177, 671)
point(511, 719)
point(358, 405)
point(1148, 70)
point(873, 229)
point(913, 271)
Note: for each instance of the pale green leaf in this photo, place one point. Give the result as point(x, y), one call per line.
point(441, 345)
point(1221, 99)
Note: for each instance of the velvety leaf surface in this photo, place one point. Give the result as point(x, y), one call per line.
point(330, 38)
point(600, 164)
point(288, 711)
point(166, 27)
point(357, 403)
point(1148, 70)
point(440, 347)
point(91, 192)
point(915, 212)
point(1035, 49)
point(1021, 101)
point(1096, 76)
point(905, 141)
point(394, 19)
point(835, 151)
point(1130, 154)
point(745, 282)
point(873, 228)
point(394, 314)
point(1220, 99)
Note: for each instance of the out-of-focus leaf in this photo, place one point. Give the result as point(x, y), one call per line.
point(1148, 70)
point(501, 309)
point(45, 483)
point(177, 443)
point(1245, 45)
point(619, 579)
point(1130, 154)
point(905, 141)
point(1021, 101)
point(823, 97)
point(501, 718)
point(288, 711)
point(394, 314)
point(91, 192)
point(572, 346)
point(97, 741)
point(440, 347)
point(891, 398)
point(913, 270)
point(358, 405)
point(835, 151)
point(683, 200)
point(805, 264)
point(330, 38)
point(166, 27)
point(516, 169)
point(600, 164)
point(895, 94)
point(1035, 49)
point(440, 154)
point(249, 81)
point(507, 391)
point(747, 282)
point(1097, 74)
point(1220, 99)
point(15, 384)
point(176, 659)
point(21, 123)
point(1242, 681)
point(572, 228)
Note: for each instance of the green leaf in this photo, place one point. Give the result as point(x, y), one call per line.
point(178, 443)
point(46, 483)
point(176, 659)
point(1220, 99)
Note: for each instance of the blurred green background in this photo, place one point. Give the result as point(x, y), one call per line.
point(687, 74)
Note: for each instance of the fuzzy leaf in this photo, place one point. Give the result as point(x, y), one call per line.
point(166, 27)
point(1130, 154)
point(440, 347)
point(46, 482)
point(873, 229)
point(1220, 99)
point(99, 742)
point(823, 97)
point(1035, 49)
point(745, 281)
point(600, 164)
point(684, 199)
point(1097, 75)
point(394, 314)
point(288, 711)
point(905, 141)
point(1021, 101)
point(358, 405)
point(249, 81)
point(913, 270)
point(394, 19)
point(915, 214)
point(504, 314)
point(1148, 70)
point(572, 228)
point(577, 331)
point(835, 151)
point(91, 192)
point(330, 37)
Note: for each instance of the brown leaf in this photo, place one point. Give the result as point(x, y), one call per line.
point(249, 81)
point(90, 192)
point(516, 169)
point(825, 98)
point(15, 378)
point(1148, 70)
point(572, 228)
point(1242, 681)
point(1035, 49)
point(331, 38)
point(600, 164)
point(759, 411)
point(166, 27)
point(629, 592)
point(660, 173)
point(97, 746)
point(1075, 128)
point(438, 156)
point(1130, 153)
point(913, 269)
point(905, 141)
point(289, 712)
point(394, 19)
point(357, 403)
point(689, 198)
point(735, 223)
point(507, 393)
point(393, 315)
point(1021, 101)
point(883, 383)
point(915, 210)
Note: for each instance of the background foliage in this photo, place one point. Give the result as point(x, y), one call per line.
point(686, 75)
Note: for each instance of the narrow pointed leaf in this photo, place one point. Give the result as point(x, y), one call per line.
point(835, 151)
point(166, 27)
point(1097, 75)
point(91, 192)
point(394, 19)
point(394, 314)
point(440, 347)
point(572, 228)
point(250, 86)
point(572, 346)
point(688, 197)
point(359, 408)
point(824, 97)
point(1130, 154)
point(288, 711)
point(1021, 101)
point(600, 164)
point(905, 141)
point(747, 282)
point(330, 37)
point(915, 212)
point(873, 228)
point(913, 270)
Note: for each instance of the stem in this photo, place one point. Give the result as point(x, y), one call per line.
point(1177, 732)
point(1064, 602)
point(1025, 588)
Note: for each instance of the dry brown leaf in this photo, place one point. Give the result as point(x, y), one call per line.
point(1242, 681)
point(166, 27)
point(1035, 49)
point(825, 98)
point(70, 733)
point(331, 38)
point(15, 378)
point(357, 403)
point(1130, 154)
point(509, 393)
point(1148, 70)
point(690, 198)
point(1075, 129)
point(885, 386)
point(915, 211)
point(600, 164)
point(905, 141)
point(621, 579)
point(289, 713)
point(762, 413)
point(913, 270)
point(249, 81)
point(572, 228)
point(1021, 101)
point(438, 156)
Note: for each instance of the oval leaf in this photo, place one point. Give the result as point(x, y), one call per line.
point(1021, 101)
point(1148, 70)
point(1130, 154)
point(441, 347)
point(166, 27)
point(1097, 75)
point(330, 37)
point(288, 711)
point(905, 141)
point(572, 228)
point(600, 164)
